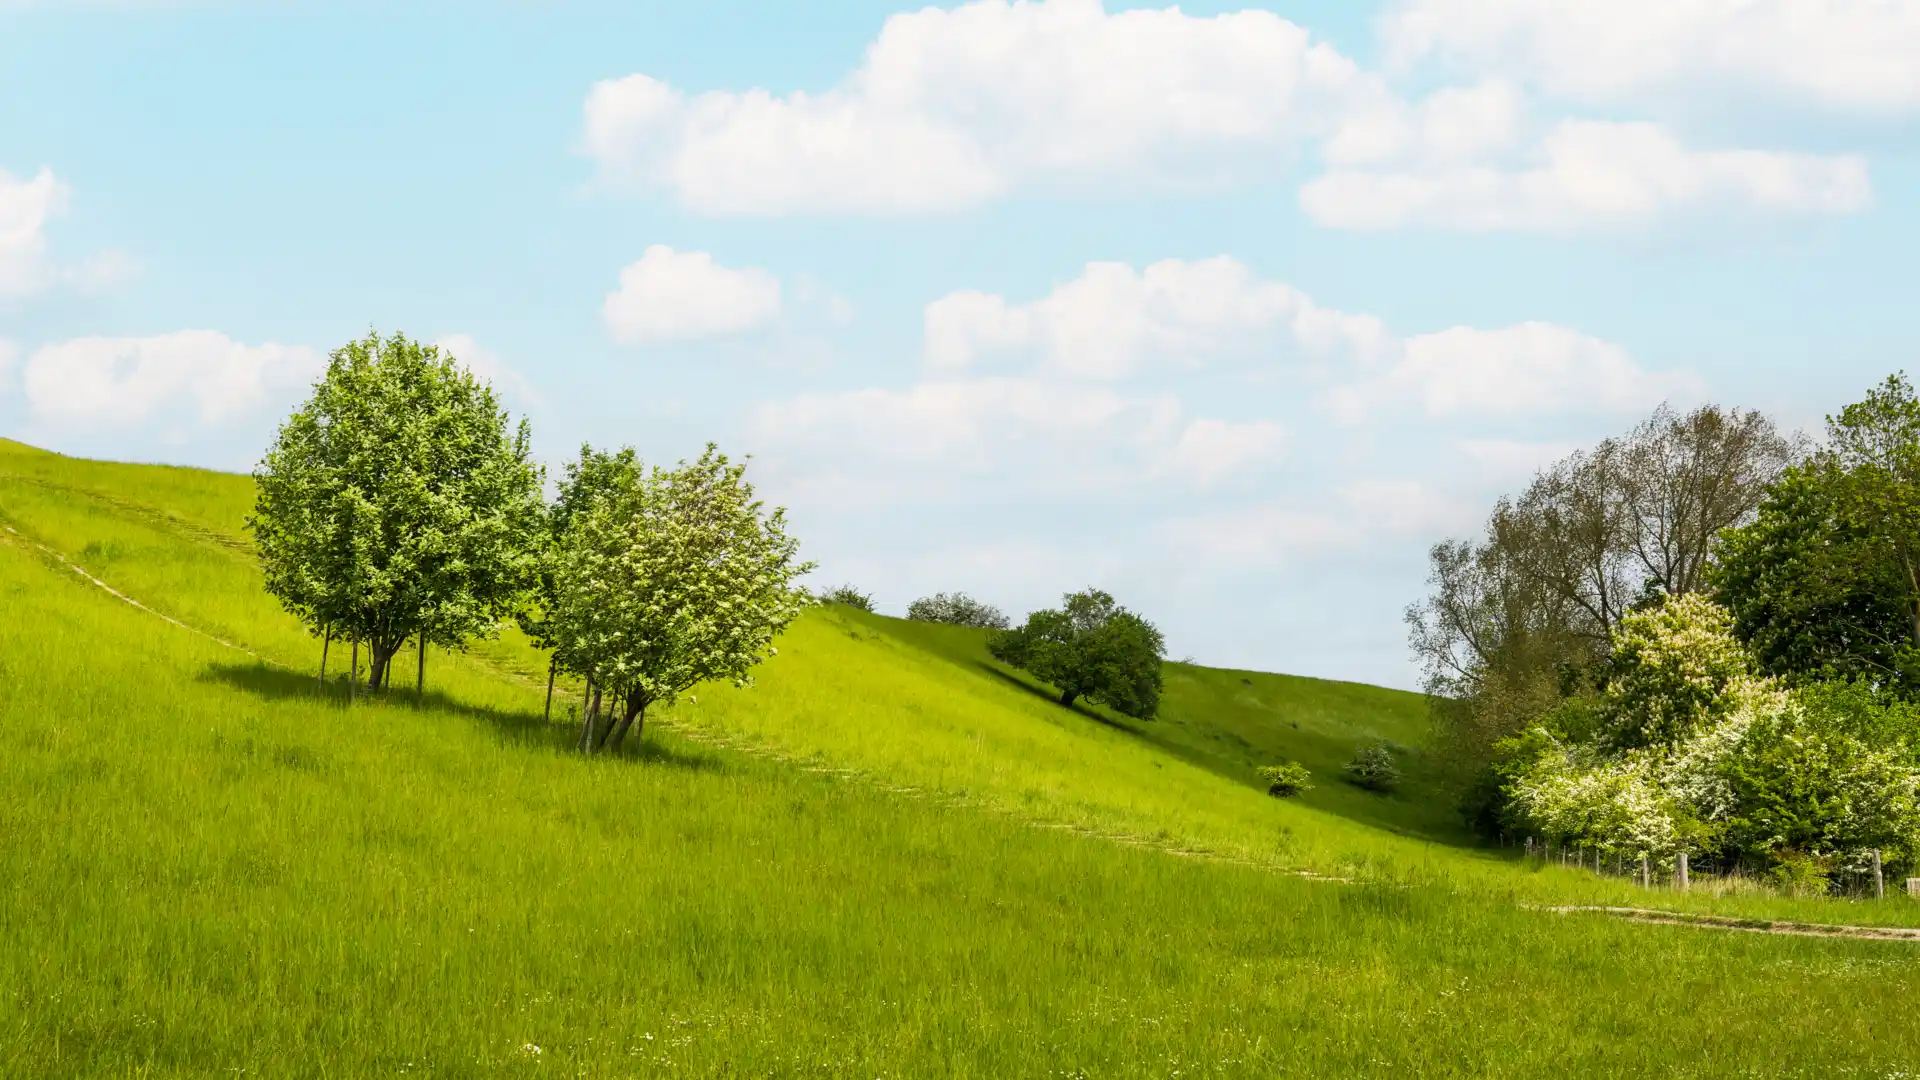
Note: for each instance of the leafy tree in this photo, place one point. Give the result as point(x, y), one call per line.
point(670, 578)
point(592, 478)
point(1373, 768)
point(959, 609)
point(397, 503)
point(850, 596)
point(1521, 618)
point(1090, 648)
point(1287, 779)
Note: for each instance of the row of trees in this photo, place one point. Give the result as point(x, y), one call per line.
point(399, 503)
point(1666, 641)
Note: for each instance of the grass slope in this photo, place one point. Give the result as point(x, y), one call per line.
point(207, 867)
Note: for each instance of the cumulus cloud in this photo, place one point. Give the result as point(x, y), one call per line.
point(954, 107)
point(25, 207)
point(1355, 516)
point(99, 382)
point(1025, 432)
point(1844, 54)
point(1112, 320)
point(673, 295)
point(1530, 368)
point(1589, 174)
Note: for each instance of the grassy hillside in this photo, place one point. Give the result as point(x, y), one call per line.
point(209, 866)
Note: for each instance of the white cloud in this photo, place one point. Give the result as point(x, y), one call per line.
point(1587, 174)
point(1848, 54)
point(1023, 432)
point(1504, 460)
point(954, 107)
point(25, 207)
point(1530, 368)
point(1359, 515)
point(1112, 320)
point(673, 295)
point(9, 352)
point(97, 382)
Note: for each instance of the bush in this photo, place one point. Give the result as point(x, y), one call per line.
point(850, 596)
point(1373, 768)
point(957, 609)
point(1286, 781)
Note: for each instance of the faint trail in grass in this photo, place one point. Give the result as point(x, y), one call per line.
point(1751, 926)
point(125, 599)
point(153, 515)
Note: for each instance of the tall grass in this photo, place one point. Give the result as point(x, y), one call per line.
point(209, 867)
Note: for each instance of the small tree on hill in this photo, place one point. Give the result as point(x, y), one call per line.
point(1373, 768)
point(850, 596)
point(959, 609)
point(673, 578)
point(1090, 648)
point(397, 503)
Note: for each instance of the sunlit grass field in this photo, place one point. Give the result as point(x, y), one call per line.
point(890, 858)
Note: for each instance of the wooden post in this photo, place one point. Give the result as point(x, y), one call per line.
point(353, 672)
point(1680, 871)
point(1879, 880)
point(550, 666)
point(1646, 876)
point(324, 645)
point(420, 678)
point(1913, 887)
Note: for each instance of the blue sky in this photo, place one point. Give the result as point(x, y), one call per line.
point(1230, 310)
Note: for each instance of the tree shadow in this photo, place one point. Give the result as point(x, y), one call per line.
point(528, 729)
point(1050, 697)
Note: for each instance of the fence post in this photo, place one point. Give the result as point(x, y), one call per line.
point(1879, 881)
point(1645, 877)
point(1913, 887)
point(1680, 871)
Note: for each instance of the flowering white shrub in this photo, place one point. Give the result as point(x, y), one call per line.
point(1695, 752)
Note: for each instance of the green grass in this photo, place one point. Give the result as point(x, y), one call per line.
point(209, 868)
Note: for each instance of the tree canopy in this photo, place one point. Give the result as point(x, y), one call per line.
point(1090, 648)
point(668, 578)
point(398, 502)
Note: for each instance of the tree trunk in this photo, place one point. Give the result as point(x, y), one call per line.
point(1067, 696)
point(420, 678)
point(324, 646)
point(636, 710)
point(589, 722)
point(353, 673)
point(550, 667)
point(380, 675)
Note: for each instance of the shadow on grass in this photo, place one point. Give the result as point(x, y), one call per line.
point(524, 729)
point(1050, 697)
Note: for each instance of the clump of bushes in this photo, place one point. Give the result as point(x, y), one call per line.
point(850, 596)
point(1286, 780)
point(1373, 768)
point(958, 609)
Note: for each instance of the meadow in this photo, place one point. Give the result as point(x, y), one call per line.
point(889, 858)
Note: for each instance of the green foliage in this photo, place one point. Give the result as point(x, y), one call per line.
point(850, 596)
point(1813, 595)
point(396, 502)
point(957, 609)
point(668, 578)
point(1090, 648)
point(1675, 670)
point(1373, 767)
point(1287, 779)
point(591, 479)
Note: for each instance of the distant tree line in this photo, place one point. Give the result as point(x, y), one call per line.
point(400, 504)
point(1701, 636)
